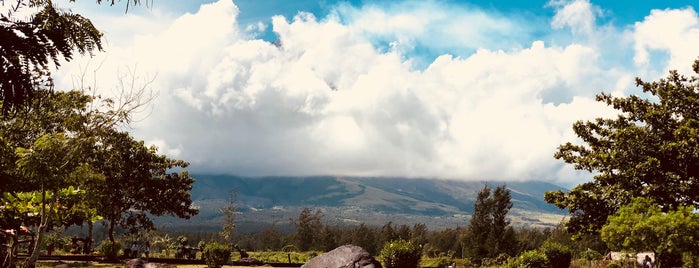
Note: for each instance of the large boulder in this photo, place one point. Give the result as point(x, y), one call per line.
point(347, 256)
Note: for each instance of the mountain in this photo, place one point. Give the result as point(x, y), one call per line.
point(262, 201)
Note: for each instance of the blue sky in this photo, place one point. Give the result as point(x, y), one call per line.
point(469, 90)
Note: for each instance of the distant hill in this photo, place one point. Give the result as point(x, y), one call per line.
point(262, 201)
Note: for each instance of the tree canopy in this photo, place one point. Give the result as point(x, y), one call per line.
point(642, 226)
point(651, 149)
point(30, 47)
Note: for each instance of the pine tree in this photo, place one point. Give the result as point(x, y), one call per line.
point(489, 233)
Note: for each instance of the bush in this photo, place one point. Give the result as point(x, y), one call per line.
point(534, 259)
point(614, 265)
point(557, 254)
point(110, 250)
point(400, 254)
point(216, 255)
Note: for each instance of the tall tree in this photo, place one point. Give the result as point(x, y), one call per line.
point(229, 211)
point(489, 233)
point(308, 225)
point(650, 150)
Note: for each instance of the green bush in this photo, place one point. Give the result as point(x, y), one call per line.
point(216, 255)
point(557, 254)
point(110, 250)
point(400, 254)
point(591, 255)
point(614, 265)
point(533, 259)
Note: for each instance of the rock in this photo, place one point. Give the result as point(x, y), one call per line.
point(136, 263)
point(347, 256)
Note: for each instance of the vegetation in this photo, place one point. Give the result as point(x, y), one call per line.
point(650, 150)
point(489, 232)
point(400, 253)
point(642, 226)
point(63, 160)
point(216, 255)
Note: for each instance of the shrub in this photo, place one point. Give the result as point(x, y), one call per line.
point(590, 255)
point(533, 259)
point(216, 255)
point(557, 254)
point(400, 253)
point(614, 265)
point(110, 250)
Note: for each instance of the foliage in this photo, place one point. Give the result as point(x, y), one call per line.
point(591, 255)
point(558, 255)
point(307, 226)
point(614, 265)
point(139, 182)
point(400, 253)
point(651, 149)
point(283, 256)
point(216, 255)
point(30, 46)
point(110, 250)
point(489, 233)
point(533, 259)
point(643, 226)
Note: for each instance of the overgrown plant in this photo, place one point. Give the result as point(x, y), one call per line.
point(401, 254)
point(216, 255)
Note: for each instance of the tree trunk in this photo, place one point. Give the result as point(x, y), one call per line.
point(111, 231)
point(88, 240)
point(45, 216)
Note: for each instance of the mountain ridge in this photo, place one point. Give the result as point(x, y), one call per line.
point(372, 200)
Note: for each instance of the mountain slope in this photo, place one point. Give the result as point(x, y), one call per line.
point(348, 200)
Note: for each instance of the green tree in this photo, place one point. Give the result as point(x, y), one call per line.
point(29, 46)
point(643, 226)
point(650, 149)
point(365, 237)
point(308, 225)
point(489, 233)
point(139, 182)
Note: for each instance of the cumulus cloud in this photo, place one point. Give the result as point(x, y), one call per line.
point(329, 99)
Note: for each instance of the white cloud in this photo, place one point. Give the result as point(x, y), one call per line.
point(672, 32)
point(330, 101)
point(578, 15)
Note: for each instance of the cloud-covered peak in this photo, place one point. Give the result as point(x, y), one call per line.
point(413, 88)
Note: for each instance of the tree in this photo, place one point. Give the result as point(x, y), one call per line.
point(30, 46)
point(48, 137)
point(643, 226)
point(365, 237)
point(651, 149)
point(489, 233)
point(138, 182)
point(229, 219)
point(308, 226)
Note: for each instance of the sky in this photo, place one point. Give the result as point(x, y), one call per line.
point(467, 90)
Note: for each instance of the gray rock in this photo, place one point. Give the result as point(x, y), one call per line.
point(136, 263)
point(347, 256)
